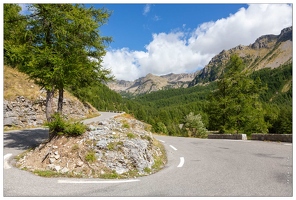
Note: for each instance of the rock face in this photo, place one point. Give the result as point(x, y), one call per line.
point(268, 51)
point(151, 83)
point(23, 112)
point(118, 146)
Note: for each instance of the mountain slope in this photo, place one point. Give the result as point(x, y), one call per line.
point(268, 51)
point(151, 83)
point(24, 102)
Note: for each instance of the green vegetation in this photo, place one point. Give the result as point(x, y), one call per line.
point(90, 156)
point(165, 110)
point(47, 173)
point(194, 125)
point(125, 125)
point(58, 46)
point(130, 135)
point(234, 107)
point(59, 126)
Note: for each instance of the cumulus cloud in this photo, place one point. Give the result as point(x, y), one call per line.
point(146, 9)
point(183, 52)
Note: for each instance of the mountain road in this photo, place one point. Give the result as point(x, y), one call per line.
point(195, 168)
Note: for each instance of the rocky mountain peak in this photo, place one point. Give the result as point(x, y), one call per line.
point(268, 51)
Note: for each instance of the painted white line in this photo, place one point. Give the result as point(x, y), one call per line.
point(287, 144)
point(117, 181)
point(6, 157)
point(162, 141)
point(173, 147)
point(236, 140)
point(181, 162)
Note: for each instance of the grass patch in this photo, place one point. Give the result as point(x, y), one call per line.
point(111, 175)
point(46, 173)
point(161, 160)
point(22, 155)
point(130, 135)
point(125, 125)
point(90, 156)
point(147, 170)
point(111, 146)
point(18, 84)
point(75, 147)
point(146, 137)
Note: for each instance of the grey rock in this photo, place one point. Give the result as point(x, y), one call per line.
point(79, 164)
point(64, 170)
point(52, 160)
point(102, 144)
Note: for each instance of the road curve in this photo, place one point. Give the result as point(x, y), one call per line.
point(196, 168)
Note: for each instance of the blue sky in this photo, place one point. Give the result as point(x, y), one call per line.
point(132, 25)
point(182, 38)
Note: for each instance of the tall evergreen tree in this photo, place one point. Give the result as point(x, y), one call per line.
point(62, 47)
point(235, 106)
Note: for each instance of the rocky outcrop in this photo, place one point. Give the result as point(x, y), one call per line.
point(23, 112)
point(119, 146)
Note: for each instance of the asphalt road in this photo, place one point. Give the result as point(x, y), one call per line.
point(196, 168)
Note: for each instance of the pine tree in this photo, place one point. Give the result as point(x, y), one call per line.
point(235, 105)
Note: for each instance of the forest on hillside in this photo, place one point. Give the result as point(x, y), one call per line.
point(166, 110)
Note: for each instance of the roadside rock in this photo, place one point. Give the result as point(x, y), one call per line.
point(119, 147)
point(23, 112)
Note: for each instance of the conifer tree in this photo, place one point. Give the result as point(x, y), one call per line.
point(234, 106)
point(62, 47)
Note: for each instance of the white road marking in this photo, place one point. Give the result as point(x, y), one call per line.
point(236, 140)
point(6, 157)
point(173, 147)
point(117, 181)
point(287, 144)
point(181, 162)
point(162, 141)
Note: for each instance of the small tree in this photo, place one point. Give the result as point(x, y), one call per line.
point(194, 125)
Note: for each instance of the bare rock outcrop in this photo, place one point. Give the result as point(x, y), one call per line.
point(118, 147)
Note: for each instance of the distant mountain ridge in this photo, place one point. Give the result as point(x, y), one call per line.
point(268, 51)
point(151, 83)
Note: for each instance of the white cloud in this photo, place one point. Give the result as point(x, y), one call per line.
point(146, 9)
point(176, 52)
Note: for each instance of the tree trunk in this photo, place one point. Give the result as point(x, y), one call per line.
point(49, 104)
point(60, 100)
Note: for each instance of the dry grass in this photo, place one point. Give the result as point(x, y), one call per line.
point(18, 84)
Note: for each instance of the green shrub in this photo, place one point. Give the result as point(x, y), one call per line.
point(59, 126)
point(75, 129)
